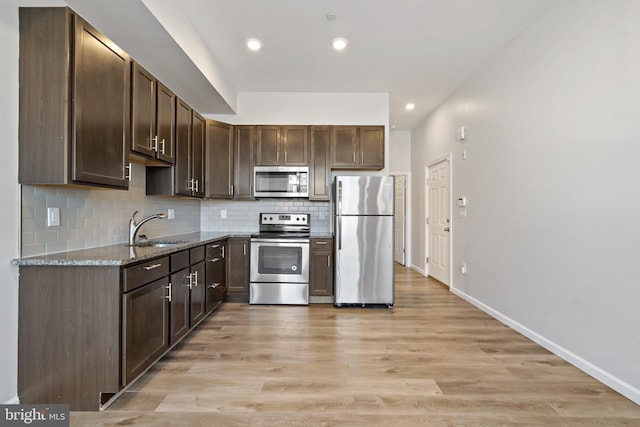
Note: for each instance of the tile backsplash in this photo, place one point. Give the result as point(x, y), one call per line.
point(100, 217)
point(243, 216)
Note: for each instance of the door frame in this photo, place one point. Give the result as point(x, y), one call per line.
point(407, 216)
point(449, 159)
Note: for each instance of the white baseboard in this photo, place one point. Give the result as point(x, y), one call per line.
point(14, 401)
point(622, 387)
point(418, 269)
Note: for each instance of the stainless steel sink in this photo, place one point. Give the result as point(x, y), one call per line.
point(159, 243)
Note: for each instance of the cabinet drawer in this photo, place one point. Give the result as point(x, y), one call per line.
point(215, 250)
point(179, 260)
point(137, 275)
point(197, 254)
point(321, 244)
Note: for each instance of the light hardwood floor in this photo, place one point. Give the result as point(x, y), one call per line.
point(433, 360)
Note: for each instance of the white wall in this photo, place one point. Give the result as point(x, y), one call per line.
point(400, 164)
point(552, 179)
point(9, 228)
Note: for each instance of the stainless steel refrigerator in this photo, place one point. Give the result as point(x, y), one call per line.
point(364, 240)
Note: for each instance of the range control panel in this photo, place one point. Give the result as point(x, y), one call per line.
point(284, 219)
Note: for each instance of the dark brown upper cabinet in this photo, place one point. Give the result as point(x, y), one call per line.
point(153, 115)
point(198, 138)
point(243, 148)
point(320, 165)
point(282, 146)
point(357, 147)
point(74, 95)
point(186, 176)
point(219, 160)
point(183, 181)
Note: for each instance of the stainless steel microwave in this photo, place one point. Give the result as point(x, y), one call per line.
point(281, 181)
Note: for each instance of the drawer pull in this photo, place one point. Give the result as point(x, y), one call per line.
point(151, 267)
point(169, 289)
point(321, 243)
point(214, 260)
point(214, 246)
point(214, 285)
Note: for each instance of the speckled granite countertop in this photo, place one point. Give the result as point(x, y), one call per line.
point(123, 254)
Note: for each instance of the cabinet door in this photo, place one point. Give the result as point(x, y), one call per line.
point(244, 160)
point(295, 143)
point(183, 149)
point(321, 267)
point(219, 160)
point(101, 88)
point(371, 147)
point(143, 111)
point(198, 290)
point(345, 146)
point(166, 123)
point(179, 305)
point(268, 146)
point(320, 167)
point(197, 155)
point(238, 269)
point(145, 329)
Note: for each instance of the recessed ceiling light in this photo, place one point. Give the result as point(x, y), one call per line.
point(254, 44)
point(410, 106)
point(339, 43)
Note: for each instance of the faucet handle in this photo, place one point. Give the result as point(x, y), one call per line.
point(133, 217)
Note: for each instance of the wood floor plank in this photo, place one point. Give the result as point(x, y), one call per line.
point(432, 360)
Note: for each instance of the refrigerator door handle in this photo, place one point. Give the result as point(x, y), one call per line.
point(339, 198)
point(339, 228)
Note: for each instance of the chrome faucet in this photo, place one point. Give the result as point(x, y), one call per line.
point(134, 227)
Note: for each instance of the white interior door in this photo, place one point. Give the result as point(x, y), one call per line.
point(439, 221)
point(399, 221)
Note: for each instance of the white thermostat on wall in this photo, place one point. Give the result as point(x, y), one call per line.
point(461, 133)
point(462, 202)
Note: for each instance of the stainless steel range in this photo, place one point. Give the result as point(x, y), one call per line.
point(280, 260)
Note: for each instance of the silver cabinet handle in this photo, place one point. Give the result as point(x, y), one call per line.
point(362, 157)
point(169, 293)
point(244, 249)
point(328, 260)
point(285, 157)
point(190, 279)
point(195, 281)
point(223, 251)
point(197, 182)
point(214, 260)
point(277, 156)
point(154, 143)
point(162, 149)
point(214, 285)
point(151, 267)
point(232, 189)
point(354, 157)
point(321, 243)
point(214, 246)
point(127, 174)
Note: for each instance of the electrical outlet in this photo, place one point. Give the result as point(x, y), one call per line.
point(171, 213)
point(53, 217)
point(223, 214)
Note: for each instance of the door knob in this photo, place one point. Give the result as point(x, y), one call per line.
point(446, 229)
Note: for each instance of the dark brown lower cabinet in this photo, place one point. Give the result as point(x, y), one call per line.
point(100, 327)
point(198, 291)
point(179, 305)
point(145, 313)
point(321, 267)
point(238, 269)
point(216, 275)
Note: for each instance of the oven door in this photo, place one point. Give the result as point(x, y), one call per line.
point(280, 260)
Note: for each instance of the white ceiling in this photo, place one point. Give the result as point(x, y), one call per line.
point(416, 50)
